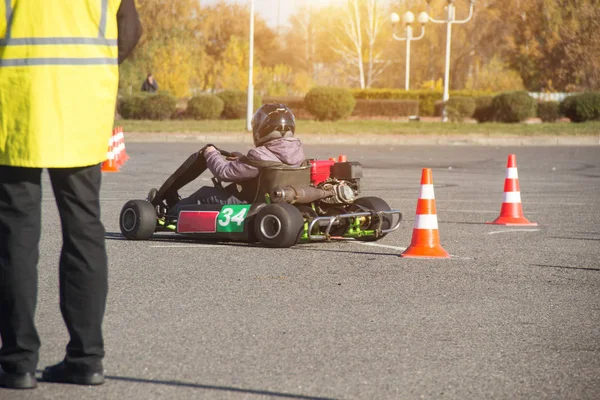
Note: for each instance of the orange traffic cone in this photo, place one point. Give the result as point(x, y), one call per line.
point(109, 165)
point(426, 238)
point(342, 158)
point(125, 156)
point(511, 212)
point(117, 148)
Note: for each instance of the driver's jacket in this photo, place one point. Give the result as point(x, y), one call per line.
point(286, 150)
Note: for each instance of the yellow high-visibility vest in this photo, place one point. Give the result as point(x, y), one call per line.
point(59, 78)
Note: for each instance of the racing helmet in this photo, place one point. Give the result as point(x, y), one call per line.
point(272, 121)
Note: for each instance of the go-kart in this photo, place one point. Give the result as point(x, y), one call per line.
point(284, 206)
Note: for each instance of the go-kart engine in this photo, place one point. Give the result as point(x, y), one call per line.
point(331, 192)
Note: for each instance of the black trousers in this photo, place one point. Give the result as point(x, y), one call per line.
point(83, 275)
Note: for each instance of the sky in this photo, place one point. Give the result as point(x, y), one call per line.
point(270, 10)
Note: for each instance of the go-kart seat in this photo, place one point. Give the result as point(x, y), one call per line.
point(270, 178)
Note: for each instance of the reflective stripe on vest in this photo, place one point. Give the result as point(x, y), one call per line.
point(36, 51)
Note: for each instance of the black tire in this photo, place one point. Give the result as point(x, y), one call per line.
point(278, 225)
point(375, 204)
point(137, 220)
point(152, 194)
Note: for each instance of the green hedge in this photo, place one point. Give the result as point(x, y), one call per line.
point(158, 106)
point(581, 107)
point(427, 98)
point(460, 108)
point(296, 104)
point(386, 108)
point(483, 109)
point(513, 107)
point(204, 106)
point(329, 103)
point(548, 111)
point(235, 103)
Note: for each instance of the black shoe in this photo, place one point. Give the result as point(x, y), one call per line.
point(18, 381)
point(63, 373)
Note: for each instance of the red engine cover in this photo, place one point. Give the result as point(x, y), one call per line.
point(320, 170)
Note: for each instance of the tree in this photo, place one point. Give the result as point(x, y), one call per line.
point(168, 47)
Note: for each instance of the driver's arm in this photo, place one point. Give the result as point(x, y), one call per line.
point(228, 171)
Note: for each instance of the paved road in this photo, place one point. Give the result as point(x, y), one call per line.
point(515, 313)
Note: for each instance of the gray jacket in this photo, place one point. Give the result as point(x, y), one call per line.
point(286, 150)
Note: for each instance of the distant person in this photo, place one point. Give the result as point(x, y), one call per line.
point(149, 84)
point(50, 120)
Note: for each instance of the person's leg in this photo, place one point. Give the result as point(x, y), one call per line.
point(187, 172)
point(206, 195)
point(20, 227)
point(83, 268)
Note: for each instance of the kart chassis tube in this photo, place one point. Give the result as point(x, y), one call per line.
point(332, 219)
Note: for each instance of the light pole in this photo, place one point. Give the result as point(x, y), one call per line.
point(450, 20)
point(408, 18)
point(250, 105)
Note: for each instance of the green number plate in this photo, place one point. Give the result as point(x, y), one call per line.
point(231, 218)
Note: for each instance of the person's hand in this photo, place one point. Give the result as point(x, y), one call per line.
point(209, 149)
point(234, 156)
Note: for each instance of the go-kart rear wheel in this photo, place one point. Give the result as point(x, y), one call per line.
point(137, 220)
point(278, 225)
point(374, 204)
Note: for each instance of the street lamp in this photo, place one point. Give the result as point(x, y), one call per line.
point(450, 19)
point(408, 18)
point(250, 105)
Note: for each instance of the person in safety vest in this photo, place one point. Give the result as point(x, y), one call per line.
point(59, 75)
point(273, 128)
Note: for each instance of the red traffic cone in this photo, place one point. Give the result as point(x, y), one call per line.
point(511, 212)
point(426, 238)
point(109, 165)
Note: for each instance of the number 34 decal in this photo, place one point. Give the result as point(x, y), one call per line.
point(226, 216)
point(231, 218)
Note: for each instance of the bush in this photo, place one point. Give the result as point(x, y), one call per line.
point(581, 107)
point(427, 98)
point(386, 108)
point(513, 107)
point(235, 103)
point(159, 106)
point(483, 109)
point(548, 111)
point(328, 103)
point(147, 106)
point(462, 107)
point(296, 104)
point(204, 106)
point(130, 107)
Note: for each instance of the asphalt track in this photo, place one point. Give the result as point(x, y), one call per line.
point(515, 313)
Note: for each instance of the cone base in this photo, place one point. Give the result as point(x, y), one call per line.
point(425, 252)
point(109, 168)
point(512, 221)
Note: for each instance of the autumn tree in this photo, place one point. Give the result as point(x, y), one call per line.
point(171, 47)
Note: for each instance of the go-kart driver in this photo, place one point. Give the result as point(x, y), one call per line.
point(273, 128)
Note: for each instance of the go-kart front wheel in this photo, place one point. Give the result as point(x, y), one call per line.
point(278, 225)
point(137, 220)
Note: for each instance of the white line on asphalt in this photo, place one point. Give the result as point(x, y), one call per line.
point(514, 230)
point(185, 245)
point(402, 249)
point(381, 245)
point(547, 203)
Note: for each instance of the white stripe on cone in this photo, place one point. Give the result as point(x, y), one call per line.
point(426, 221)
point(427, 192)
point(512, 197)
point(511, 173)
